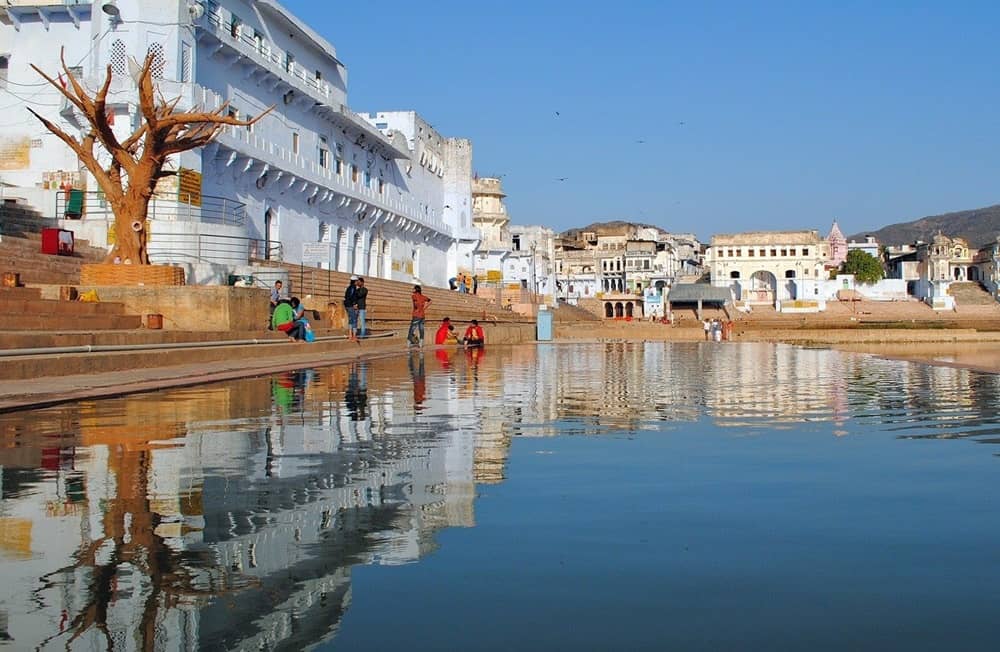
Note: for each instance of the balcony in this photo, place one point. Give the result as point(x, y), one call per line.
point(18, 11)
point(276, 160)
point(275, 66)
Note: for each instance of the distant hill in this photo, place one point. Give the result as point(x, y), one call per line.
point(979, 227)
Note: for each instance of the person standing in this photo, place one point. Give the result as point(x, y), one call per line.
point(707, 325)
point(350, 305)
point(361, 303)
point(275, 298)
point(417, 317)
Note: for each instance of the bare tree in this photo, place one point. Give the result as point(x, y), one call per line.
point(136, 166)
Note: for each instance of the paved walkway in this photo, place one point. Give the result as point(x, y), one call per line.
point(40, 392)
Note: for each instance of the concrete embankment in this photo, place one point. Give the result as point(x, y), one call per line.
point(45, 379)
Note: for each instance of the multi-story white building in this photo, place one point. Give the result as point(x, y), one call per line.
point(380, 195)
point(765, 266)
point(530, 261)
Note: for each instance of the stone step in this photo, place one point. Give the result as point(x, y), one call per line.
point(32, 322)
point(18, 245)
point(54, 307)
point(28, 294)
point(30, 276)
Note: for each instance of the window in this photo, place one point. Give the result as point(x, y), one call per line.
point(119, 60)
point(289, 61)
point(234, 26)
point(729, 252)
point(805, 252)
point(750, 253)
point(354, 174)
point(381, 187)
point(4, 63)
point(763, 252)
point(774, 253)
point(734, 274)
point(739, 253)
point(295, 143)
point(645, 264)
point(515, 242)
point(319, 75)
point(324, 153)
point(368, 179)
point(784, 252)
point(156, 67)
point(339, 168)
point(789, 273)
point(185, 62)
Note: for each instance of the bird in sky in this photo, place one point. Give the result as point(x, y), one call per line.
point(640, 142)
point(681, 124)
point(557, 113)
point(561, 178)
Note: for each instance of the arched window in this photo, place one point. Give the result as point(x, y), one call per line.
point(734, 274)
point(159, 62)
point(609, 310)
point(119, 60)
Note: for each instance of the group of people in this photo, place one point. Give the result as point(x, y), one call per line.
point(288, 316)
point(356, 305)
point(717, 330)
point(464, 283)
point(474, 335)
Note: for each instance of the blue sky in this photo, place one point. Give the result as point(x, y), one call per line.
point(794, 113)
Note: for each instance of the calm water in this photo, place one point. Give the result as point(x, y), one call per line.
point(621, 496)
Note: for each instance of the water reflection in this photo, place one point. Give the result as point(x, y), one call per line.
point(231, 516)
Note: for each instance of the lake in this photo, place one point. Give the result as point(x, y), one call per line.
point(575, 497)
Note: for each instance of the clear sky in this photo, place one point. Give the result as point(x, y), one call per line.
point(763, 115)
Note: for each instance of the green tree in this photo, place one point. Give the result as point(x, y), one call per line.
point(865, 267)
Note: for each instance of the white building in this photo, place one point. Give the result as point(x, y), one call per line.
point(389, 201)
point(766, 266)
point(530, 261)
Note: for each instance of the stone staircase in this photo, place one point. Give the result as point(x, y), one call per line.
point(970, 293)
point(21, 248)
point(389, 301)
point(567, 312)
point(23, 309)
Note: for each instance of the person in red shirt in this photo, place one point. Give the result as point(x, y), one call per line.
point(474, 335)
point(445, 333)
point(417, 317)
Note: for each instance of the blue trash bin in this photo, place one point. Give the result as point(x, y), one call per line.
point(544, 326)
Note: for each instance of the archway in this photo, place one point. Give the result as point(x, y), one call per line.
point(386, 258)
point(609, 310)
point(341, 253)
point(619, 310)
point(974, 274)
point(959, 274)
point(628, 309)
point(763, 286)
point(270, 230)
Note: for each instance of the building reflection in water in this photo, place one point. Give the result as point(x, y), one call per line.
point(230, 516)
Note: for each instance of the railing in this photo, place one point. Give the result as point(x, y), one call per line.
point(179, 207)
point(270, 250)
point(199, 248)
point(226, 30)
